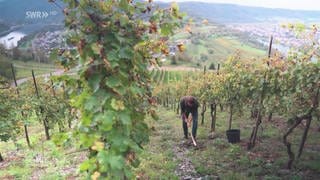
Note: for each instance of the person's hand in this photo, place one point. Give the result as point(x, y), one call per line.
point(189, 120)
point(184, 118)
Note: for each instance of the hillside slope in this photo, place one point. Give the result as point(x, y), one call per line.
point(14, 12)
point(228, 13)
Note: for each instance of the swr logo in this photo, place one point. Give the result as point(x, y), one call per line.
point(36, 14)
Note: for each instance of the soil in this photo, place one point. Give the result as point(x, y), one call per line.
point(185, 170)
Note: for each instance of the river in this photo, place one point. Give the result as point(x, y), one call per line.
point(11, 40)
point(11, 37)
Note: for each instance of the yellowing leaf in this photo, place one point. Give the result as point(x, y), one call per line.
point(181, 47)
point(174, 7)
point(98, 146)
point(117, 104)
point(96, 48)
point(188, 29)
point(95, 175)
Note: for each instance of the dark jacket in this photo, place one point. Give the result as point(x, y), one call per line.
point(188, 104)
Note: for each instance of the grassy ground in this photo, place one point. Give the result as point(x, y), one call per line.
point(207, 45)
point(158, 159)
point(43, 161)
point(169, 156)
point(23, 69)
point(222, 48)
point(216, 158)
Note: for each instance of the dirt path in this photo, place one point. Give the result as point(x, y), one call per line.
point(58, 72)
point(21, 81)
point(185, 168)
point(167, 144)
point(183, 150)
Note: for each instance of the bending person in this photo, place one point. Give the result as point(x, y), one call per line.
point(189, 104)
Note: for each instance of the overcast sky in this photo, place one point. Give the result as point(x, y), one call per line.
point(287, 4)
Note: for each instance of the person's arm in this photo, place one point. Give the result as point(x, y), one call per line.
point(183, 109)
point(196, 103)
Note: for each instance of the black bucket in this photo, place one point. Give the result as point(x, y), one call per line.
point(233, 135)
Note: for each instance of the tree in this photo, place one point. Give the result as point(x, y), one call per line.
point(203, 57)
point(212, 66)
point(5, 70)
point(174, 60)
point(3, 50)
point(9, 124)
point(16, 54)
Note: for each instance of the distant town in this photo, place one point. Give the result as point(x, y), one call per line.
point(284, 37)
